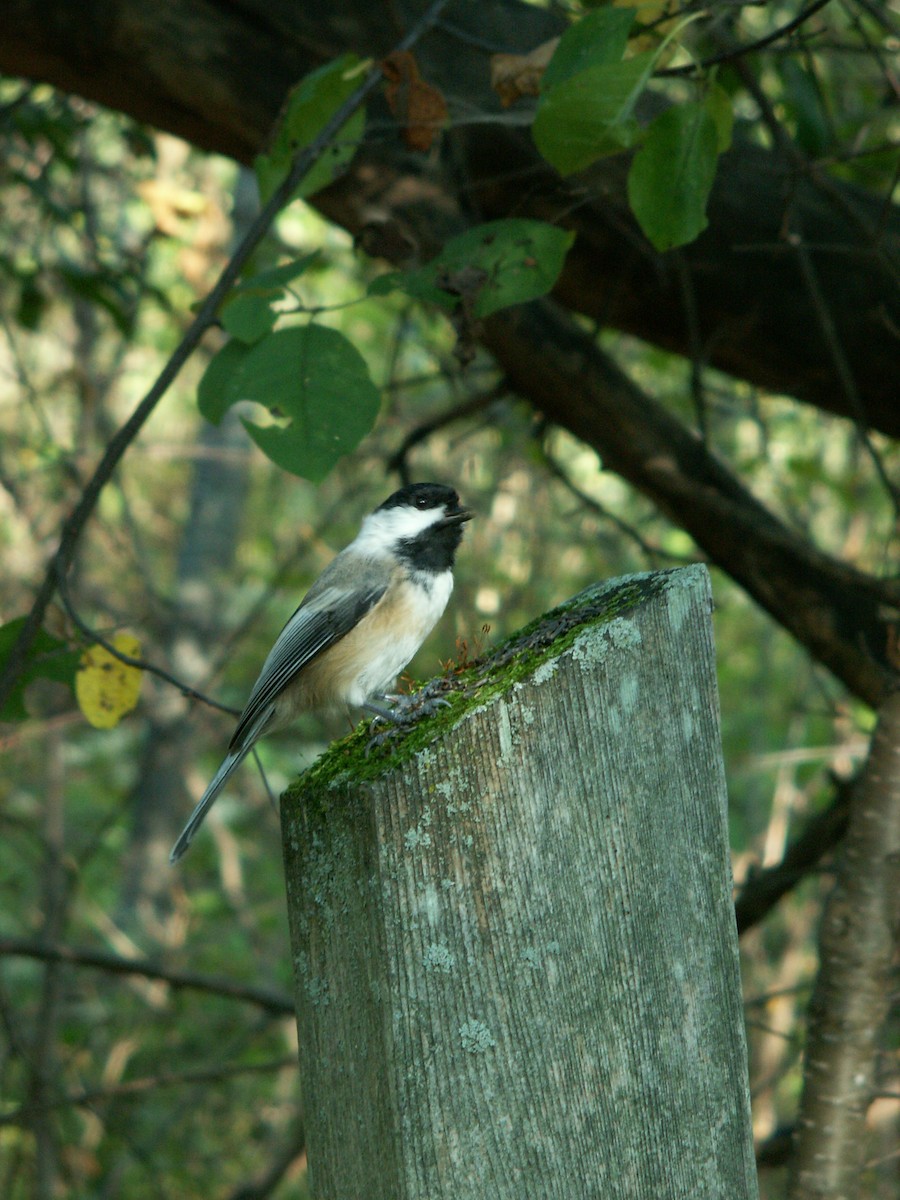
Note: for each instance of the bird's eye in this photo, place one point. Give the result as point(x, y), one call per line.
point(421, 502)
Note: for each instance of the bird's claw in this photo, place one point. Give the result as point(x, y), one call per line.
point(378, 739)
point(405, 710)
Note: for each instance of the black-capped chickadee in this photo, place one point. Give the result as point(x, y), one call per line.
point(358, 625)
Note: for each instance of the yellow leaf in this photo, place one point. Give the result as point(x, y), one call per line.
point(106, 689)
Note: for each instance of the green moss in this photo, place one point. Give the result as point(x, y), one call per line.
point(482, 681)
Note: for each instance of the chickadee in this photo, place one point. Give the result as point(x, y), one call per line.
point(357, 627)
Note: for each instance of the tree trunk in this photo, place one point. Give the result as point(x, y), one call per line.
point(858, 945)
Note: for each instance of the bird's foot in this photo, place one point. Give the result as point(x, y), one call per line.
point(403, 711)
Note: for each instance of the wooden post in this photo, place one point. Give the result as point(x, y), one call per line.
point(515, 948)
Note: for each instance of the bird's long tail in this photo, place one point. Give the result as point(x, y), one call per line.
point(221, 777)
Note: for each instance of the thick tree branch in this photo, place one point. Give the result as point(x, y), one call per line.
point(858, 940)
point(217, 74)
point(843, 617)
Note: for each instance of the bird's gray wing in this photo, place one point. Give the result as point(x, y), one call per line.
point(323, 618)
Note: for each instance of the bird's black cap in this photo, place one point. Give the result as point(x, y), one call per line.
point(424, 496)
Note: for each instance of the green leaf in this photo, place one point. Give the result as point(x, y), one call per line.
point(213, 398)
point(278, 277)
point(599, 37)
point(48, 658)
point(719, 107)
point(319, 383)
point(588, 97)
point(804, 103)
point(589, 115)
point(309, 107)
point(248, 315)
point(383, 285)
point(672, 173)
point(488, 268)
point(318, 379)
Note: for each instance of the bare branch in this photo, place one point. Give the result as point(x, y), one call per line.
point(763, 889)
point(652, 552)
point(265, 1185)
point(467, 408)
point(129, 660)
point(148, 1083)
point(736, 52)
point(276, 1003)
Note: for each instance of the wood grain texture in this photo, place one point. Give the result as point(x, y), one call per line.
point(516, 957)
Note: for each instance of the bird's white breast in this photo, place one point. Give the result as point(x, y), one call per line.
point(396, 628)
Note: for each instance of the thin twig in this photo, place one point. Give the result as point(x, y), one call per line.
point(653, 553)
point(735, 52)
point(475, 404)
point(147, 1083)
point(265, 1185)
point(277, 1003)
point(689, 301)
point(808, 169)
point(129, 660)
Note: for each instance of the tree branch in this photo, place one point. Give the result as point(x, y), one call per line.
point(276, 1003)
point(265, 1185)
point(456, 412)
point(842, 616)
point(751, 311)
point(734, 52)
point(763, 889)
point(148, 1083)
point(140, 664)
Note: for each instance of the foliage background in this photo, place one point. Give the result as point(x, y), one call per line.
point(129, 1085)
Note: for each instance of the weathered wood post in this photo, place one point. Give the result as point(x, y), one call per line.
point(515, 948)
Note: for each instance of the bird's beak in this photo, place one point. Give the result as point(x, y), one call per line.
point(458, 516)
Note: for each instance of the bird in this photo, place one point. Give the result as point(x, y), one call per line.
point(356, 628)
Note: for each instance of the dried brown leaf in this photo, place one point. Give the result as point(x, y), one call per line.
point(517, 75)
point(417, 104)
